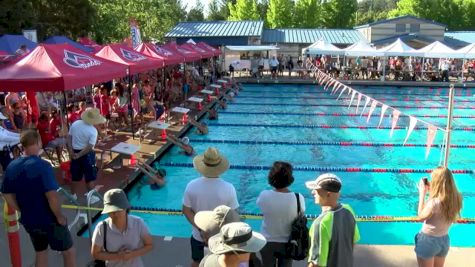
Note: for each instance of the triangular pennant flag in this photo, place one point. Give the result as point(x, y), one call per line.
point(335, 87)
point(412, 124)
point(383, 110)
point(342, 91)
point(371, 109)
point(358, 102)
point(396, 114)
point(352, 97)
point(431, 132)
point(365, 104)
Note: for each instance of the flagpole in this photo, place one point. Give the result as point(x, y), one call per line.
point(448, 130)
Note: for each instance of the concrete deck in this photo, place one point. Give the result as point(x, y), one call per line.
point(176, 252)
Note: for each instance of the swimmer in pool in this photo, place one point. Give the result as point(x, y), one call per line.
point(201, 128)
point(183, 143)
point(212, 114)
point(223, 104)
point(156, 178)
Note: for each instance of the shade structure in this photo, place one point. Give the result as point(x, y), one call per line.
point(57, 67)
point(468, 51)
point(439, 50)
point(321, 47)
point(362, 49)
point(151, 50)
point(399, 48)
point(66, 40)
point(203, 52)
point(189, 56)
point(5, 56)
point(10, 43)
point(137, 62)
point(251, 47)
point(204, 45)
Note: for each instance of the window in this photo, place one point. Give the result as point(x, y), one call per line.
point(400, 27)
point(415, 28)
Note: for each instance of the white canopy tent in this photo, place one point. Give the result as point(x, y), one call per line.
point(468, 51)
point(362, 49)
point(439, 50)
point(399, 48)
point(321, 47)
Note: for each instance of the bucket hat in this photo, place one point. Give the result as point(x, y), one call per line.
point(236, 237)
point(115, 200)
point(211, 164)
point(92, 116)
point(211, 221)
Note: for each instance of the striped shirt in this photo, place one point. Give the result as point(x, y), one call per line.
point(332, 236)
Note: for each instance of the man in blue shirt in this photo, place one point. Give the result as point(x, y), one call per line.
point(30, 188)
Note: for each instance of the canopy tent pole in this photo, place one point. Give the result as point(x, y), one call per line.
point(131, 109)
point(384, 69)
point(463, 67)
point(448, 130)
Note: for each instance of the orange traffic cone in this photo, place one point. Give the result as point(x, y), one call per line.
point(164, 135)
point(132, 160)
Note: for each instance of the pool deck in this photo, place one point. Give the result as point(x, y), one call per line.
point(175, 252)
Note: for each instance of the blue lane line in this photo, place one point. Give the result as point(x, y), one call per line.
point(368, 93)
point(334, 98)
point(312, 126)
point(341, 105)
point(331, 114)
point(317, 169)
point(298, 143)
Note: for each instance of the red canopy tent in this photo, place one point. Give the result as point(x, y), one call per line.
point(5, 57)
point(137, 62)
point(203, 52)
point(154, 51)
point(216, 51)
point(57, 67)
point(189, 55)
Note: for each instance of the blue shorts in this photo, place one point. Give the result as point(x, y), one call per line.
point(197, 249)
point(84, 166)
point(431, 246)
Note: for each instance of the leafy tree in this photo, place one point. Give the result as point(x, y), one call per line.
point(338, 13)
point(243, 10)
point(262, 7)
point(280, 13)
point(373, 10)
point(468, 6)
point(217, 10)
point(307, 14)
point(16, 15)
point(196, 13)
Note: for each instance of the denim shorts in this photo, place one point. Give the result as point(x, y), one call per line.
point(431, 246)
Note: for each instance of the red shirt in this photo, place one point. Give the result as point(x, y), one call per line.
point(54, 125)
point(72, 117)
point(43, 129)
point(79, 112)
point(104, 106)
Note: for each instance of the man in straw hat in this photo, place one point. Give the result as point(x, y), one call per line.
point(81, 141)
point(206, 193)
point(126, 237)
point(233, 245)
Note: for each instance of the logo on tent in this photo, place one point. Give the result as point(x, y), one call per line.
point(163, 51)
point(132, 56)
point(79, 61)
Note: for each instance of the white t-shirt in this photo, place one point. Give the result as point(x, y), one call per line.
point(273, 62)
point(82, 134)
point(208, 193)
point(279, 210)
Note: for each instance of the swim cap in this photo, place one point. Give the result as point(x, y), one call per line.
point(185, 140)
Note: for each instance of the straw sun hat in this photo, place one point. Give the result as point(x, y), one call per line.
point(211, 164)
point(92, 116)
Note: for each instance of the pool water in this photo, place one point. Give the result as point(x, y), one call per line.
point(369, 193)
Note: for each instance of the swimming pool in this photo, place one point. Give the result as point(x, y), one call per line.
point(302, 124)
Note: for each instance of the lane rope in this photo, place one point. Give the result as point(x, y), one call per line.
point(341, 105)
point(366, 144)
point(256, 216)
point(322, 169)
point(367, 93)
point(324, 126)
point(379, 99)
point(335, 114)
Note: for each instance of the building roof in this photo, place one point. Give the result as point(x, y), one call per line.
point(451, 42)
point(466, 36)
point(400, 18)
point(309, 36)
point(216, 29)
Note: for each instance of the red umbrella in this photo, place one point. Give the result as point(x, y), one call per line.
point(137, 62)
point(216, 51)
point(189, 55)
point(203, 52)
point(166, 55)
point(57, 67)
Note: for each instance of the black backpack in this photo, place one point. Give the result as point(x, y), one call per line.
point(298, 245)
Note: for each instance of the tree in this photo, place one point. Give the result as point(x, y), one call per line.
point(338, 13)
point(262, 7)
point(280, 13)
point(217, 10)
point(307, 14)
point(373, 10)
point(468, 6)
point(243, 10)
point(196, 13)
point(16, 15)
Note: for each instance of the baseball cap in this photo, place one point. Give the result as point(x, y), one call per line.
point(327, 181)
